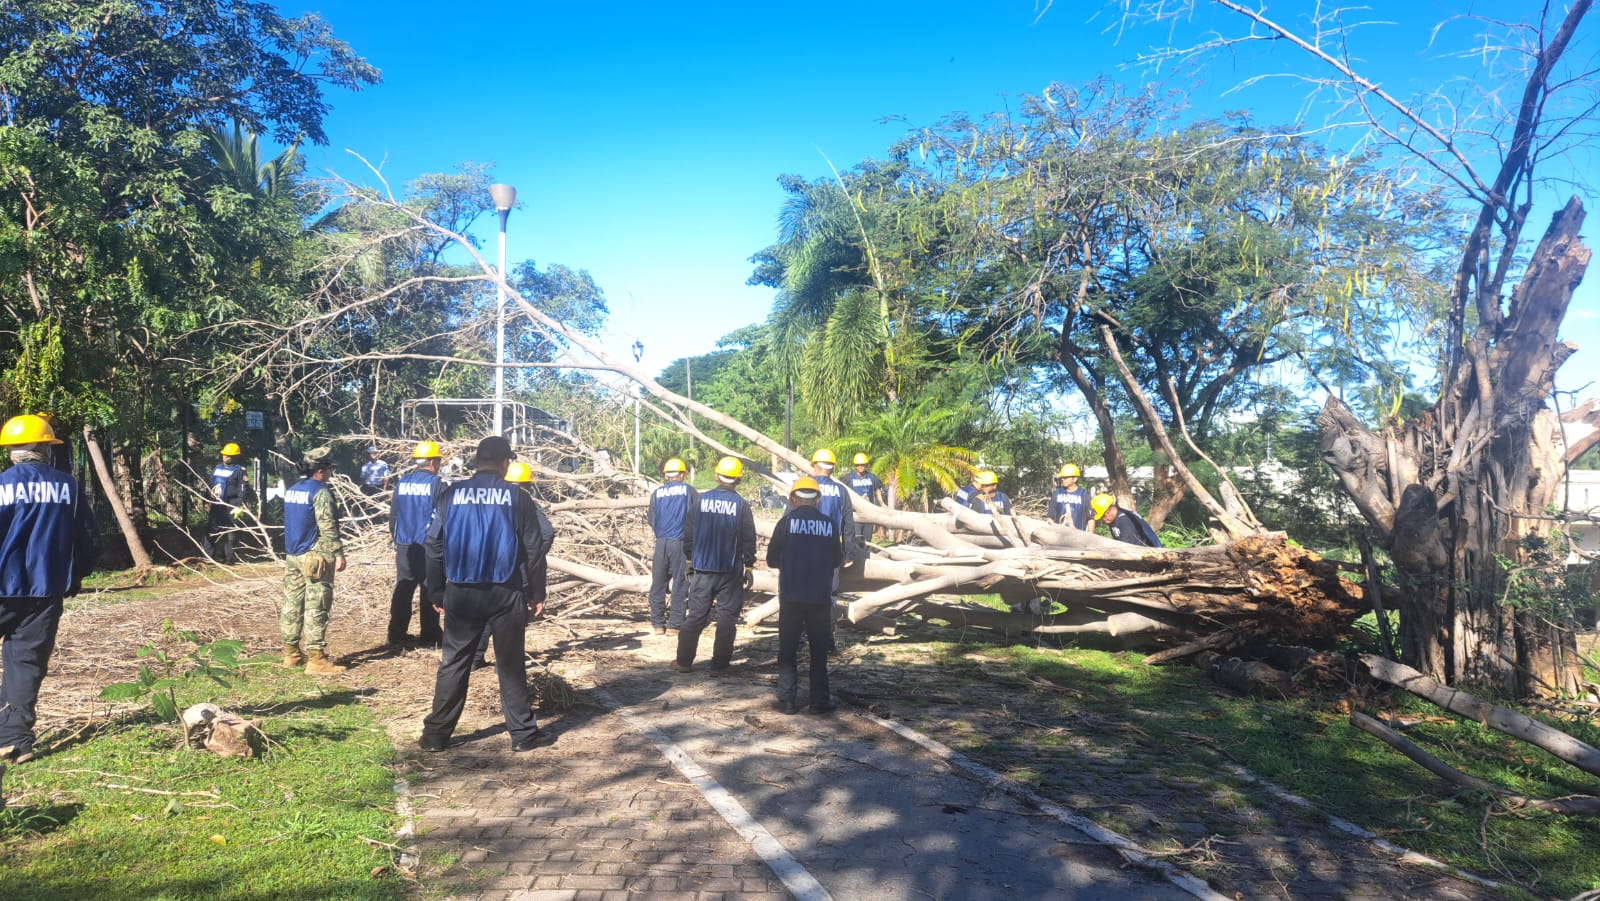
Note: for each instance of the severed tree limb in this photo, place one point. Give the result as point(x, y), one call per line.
point(1517, 725)
point(1581, 805)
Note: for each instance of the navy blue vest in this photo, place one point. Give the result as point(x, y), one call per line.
point(300, 531)
point(831, 503)
point(414, 495)
point(716, 531)
point(668, 504)
point(480, 530)
point(38, 516)
point(227, 482)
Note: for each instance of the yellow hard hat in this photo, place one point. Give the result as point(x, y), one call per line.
point(1100, 503)
point(426, 450)
point(230, 449)
point(519, 471)
point(730, 468)
point(859, 460)
point(987, 477)
point(1068, 470)
point(824, 456)
point(674, 465)
point(27, 429)
point(805, 484)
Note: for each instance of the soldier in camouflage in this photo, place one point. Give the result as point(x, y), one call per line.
point(313, 552)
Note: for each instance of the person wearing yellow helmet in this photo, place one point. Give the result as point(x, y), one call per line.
point(410, 510)
point(230, 490)
point(988, 498)
point(806, 547)
point(669, 506)
point(1069, 504)
point(719, 543)
point(835, 502)
point(48, 542)
point(1125, 525)
point(865, 484)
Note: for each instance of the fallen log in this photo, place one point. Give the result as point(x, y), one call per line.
point(1521, 726)
point(1580, 805)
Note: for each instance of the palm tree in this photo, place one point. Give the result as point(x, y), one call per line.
point(238, 161)
point(908, 452)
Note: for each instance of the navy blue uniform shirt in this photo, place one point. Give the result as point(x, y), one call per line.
point(1130, 528)
point(998, 504)
point(227, 483)
point(1075, 502)
point(669, 504)
point(411, 509)
point(485, 531)
point(719, 534)
point(48, 536)
point(806, 548)
point(867, 485)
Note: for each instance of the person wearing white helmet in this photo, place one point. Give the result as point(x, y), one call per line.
point(719, 543)
point(48, 542)
point(410, 511)
point(1069, 503)
point(229, 489)
point(669, 506)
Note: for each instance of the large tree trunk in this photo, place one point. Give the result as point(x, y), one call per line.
point(1460, 495)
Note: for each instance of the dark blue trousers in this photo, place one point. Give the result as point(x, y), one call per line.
point(726, 590)
point(815, 622)
point(668, 563)
point(28, 629)
point(410, 568)
point(467, 609)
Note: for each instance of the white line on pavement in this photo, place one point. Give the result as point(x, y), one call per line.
point(1130, 852)
point(795, 877)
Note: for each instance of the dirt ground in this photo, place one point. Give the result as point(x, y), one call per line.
point(1246, 844)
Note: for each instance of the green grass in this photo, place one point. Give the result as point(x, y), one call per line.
point(125, 813)
point(1175, 725)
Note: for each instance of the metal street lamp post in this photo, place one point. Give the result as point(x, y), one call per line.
point(638, 355)
point(505, 197)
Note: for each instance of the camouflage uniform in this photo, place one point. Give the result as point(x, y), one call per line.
point(306, 600)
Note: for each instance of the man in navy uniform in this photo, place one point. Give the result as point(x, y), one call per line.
point(520, 474)
point(1069, 504)
point(228, 488)
point(1125, 525)
point(805, 548)
point(669, 505)
point(719, 541)
point(48, 543)
point(988, 498)
point(313, 551)
point(965, 493)
point(483, 545)
point(867, 485)
point(410, 511)
point(374, 473)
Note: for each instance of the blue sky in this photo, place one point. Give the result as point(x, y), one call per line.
point(645, 138)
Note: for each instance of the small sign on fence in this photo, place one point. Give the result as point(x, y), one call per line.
point(255, 419)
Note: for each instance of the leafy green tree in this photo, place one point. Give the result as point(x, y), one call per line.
point(117, 240)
